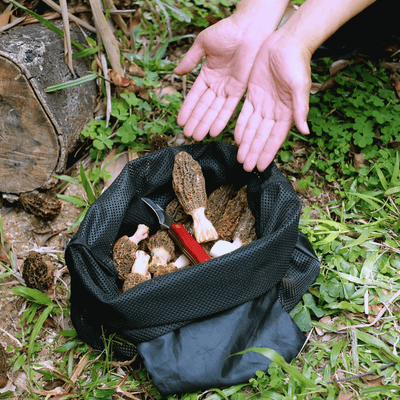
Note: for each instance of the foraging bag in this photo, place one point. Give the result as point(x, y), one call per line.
point(187, 324)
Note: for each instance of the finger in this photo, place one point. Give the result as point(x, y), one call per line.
point(198, 112)
point(192, 58)
point(273, 144)
point(198, 89)
point(300, 98)
point(224, 115)
point(209, 117)
point(260, 138)
point(244, 116)
point(248, 136)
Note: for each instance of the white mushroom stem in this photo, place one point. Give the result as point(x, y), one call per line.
point(141, 233)
point(181, 262)
point(203, 229)
point(160, 256)
point(222, 247)
point(141, 264)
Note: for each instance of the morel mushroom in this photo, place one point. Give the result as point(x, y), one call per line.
point(139, 272)
point(217, 201)
point(41, 205)
point(165, 269)
point(37, 272)
point(3, 368)
point(162, 250)
point(243, 233)
point(124, 251)
point(190, 189)
point(230, 218)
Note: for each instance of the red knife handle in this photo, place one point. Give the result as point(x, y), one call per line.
point(192, 249)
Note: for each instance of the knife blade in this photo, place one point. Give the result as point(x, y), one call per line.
point(187, 243)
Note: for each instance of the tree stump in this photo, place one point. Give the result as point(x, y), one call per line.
point(37, 129)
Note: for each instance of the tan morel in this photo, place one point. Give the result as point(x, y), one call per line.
point(139, 272)
point(3, 368)
point(162, 249)
point(190, 189)
point(38, 272)
point(243, 233)
point(230, 218)
point(124, 250)
point(217, 201)
point(165, 269)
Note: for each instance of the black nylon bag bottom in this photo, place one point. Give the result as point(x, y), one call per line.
point(197, 356)
point(164, 304)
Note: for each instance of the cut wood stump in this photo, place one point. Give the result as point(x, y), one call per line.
point(37, 129)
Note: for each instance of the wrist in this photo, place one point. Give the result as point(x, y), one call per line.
point(259, 17)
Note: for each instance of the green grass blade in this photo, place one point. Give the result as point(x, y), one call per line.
point(72, 83)
point(73, 199)
point(1, 232)
point(87, 185)
point(395, 175)
point(381, 177)
point(46, 23)
point(67, 178)
point(225, 393)
point(279, 360)
point(33, 295)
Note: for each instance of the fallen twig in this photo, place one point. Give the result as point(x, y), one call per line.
point(377, 318)
point(72, 17)
point(11, 24)
point(373, 371)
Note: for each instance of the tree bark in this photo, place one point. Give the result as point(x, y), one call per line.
point(37, 129)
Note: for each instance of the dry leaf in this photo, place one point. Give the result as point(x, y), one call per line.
point(4, 251)
point(4, 18)
point(359, 160)
point(133, 69)
point(395, 78)
point(328, 84)
point(337, 66)
point(127, 84)
point(345, 396)
point(315, 87)
point(391, 66)
point(372, 380)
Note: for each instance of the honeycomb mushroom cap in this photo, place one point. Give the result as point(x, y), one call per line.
point(161, 245)
point(3, 368)
point(188, 182)
point(230, 218)
point(37, 272)
point(244, 226)
point(165, 269)
point(41, 205)
point(217, 201)
point(132, 280)
point(124, 255)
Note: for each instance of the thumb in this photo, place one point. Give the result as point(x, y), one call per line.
point(300, 98)
point(191, 58)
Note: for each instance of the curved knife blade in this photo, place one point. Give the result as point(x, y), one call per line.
point(188, 244)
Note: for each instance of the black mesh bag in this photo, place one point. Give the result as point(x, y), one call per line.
point(186, 324)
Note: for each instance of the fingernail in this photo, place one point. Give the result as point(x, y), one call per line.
point(306, 128)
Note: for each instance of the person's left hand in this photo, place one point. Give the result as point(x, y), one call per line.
point(277, 94)
point(230, 51)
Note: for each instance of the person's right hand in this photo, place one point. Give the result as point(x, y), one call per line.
point(231, 50)
point(277, 95)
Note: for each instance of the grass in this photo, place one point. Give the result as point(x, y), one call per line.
point(350, 314)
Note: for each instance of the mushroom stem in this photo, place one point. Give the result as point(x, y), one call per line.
point(141, 264)
point(141, 233)
point(203, 229)
point(181, 262)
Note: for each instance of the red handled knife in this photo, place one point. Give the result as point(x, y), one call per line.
point(187, 243)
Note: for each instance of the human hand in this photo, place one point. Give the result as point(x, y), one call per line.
point(231, 50)
point(277, 94)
